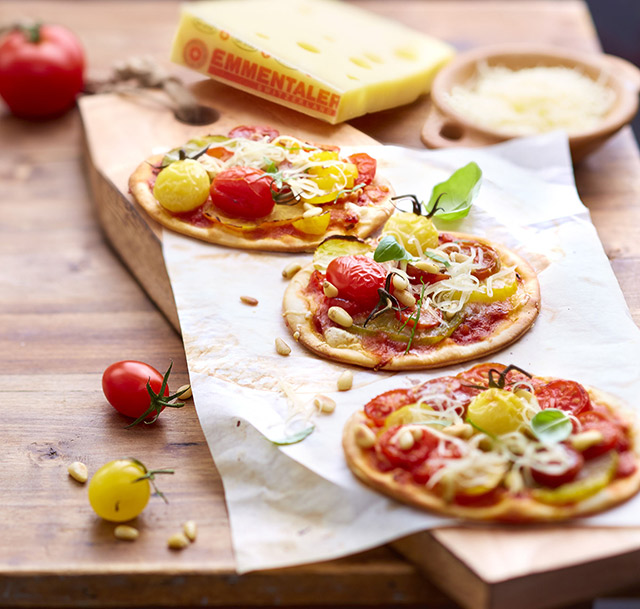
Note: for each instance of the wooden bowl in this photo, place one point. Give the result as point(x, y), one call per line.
point(445, 127)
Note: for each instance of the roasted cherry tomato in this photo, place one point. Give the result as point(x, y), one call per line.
point(408, 458)
point(41, 70)
point(613, 433)
point(380, 407)
point(120, 489)
point(138, 390)
point(366, 167)
point(254, 132)
point(243, 192)
point(574, 462)
point(357, 278)
point(564, 395)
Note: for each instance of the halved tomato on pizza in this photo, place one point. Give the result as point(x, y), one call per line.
point(256, 189)
point(419, 299)
point(496, 443)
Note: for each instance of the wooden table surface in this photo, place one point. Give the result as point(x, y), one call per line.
point(69, 308)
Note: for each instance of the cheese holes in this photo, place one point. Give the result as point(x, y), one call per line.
point(308, 47)
point(406, 53)
point(361, 63)
point(373, 57)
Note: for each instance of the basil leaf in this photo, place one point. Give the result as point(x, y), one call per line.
point(457, 193)
point(290, 435)
point(390, 249)
point(551, 426)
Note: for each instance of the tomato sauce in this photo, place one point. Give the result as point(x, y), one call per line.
point(481, 321)
point(195, 217)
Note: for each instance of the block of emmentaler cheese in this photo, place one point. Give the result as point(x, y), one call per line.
point(325, 58)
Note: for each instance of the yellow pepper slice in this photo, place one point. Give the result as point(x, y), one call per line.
point(315, 225)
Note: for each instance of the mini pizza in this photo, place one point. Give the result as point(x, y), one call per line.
point(420, 299)
point(257, 189)
point(494, 443)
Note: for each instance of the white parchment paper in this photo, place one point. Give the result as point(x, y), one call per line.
point(294, 504)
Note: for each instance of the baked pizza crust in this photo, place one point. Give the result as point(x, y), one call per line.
point(296, 309)
point(510, 508)
point(371, 218)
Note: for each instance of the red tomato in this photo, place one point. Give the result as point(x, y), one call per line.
point(254, 132)
point(380, 407)
point(243, 192)
point(553, 480)
point(357, 278)
point(220, 152)
point(449, 386)
point(626, 464)
point(407, 458)
point(479, 375)
point(564, 395)
point(125, 387)
point(366, 167)
point(41, 70)
point(613, 433)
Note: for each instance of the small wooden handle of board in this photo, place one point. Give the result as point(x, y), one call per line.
point(623, 69)
point(442, 131)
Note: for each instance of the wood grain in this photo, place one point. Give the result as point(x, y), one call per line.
point(69, 308)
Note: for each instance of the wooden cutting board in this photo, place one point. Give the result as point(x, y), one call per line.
point(494, 568)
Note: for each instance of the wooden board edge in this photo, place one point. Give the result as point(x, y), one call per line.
point(570, 585)
point(445, 570)
point(132, 238)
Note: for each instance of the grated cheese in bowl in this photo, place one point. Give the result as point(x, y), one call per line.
point(532, 100)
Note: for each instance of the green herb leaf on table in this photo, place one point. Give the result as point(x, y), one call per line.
point(293, 433)
point(455, 195)
point(551, 426)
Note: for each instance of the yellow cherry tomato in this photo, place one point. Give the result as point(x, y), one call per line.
point(497, 411)
point(315, 225)
point(182, 186)
point(120, 489)
point(332, 177)
point(415, 233)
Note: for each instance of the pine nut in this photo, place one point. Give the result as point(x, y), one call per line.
point(364, 436)
point(406, 298)
point(416, 433)
point(291, 269)
point(405, 440)
point(345, 381)
point(126, 533)
point(296, 335)
point(586, 439)
point(190, 530)
point(427, 266)
point(249, 300)
point(314, 211)
point(330, 290)
point(185, 392)
point(340, 316)
point(458, 257)
point(459, 430)
point(324, 404)
point(514, 481)
point(177, 541)
point(78, 471)
point(281, 347)
point(400, 282)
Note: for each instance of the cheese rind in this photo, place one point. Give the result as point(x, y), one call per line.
point(325, 58)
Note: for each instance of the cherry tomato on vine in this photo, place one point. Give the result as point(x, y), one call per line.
point(243, 192)
point(357, 278)
point(138, 390)
point(41, 70)
point(120, 489)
